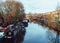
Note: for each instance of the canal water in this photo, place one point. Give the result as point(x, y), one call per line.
point(38, 34)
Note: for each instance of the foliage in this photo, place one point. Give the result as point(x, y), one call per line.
point(12, 11)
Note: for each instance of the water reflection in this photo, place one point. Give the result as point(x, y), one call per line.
point(21, 35)
point(38, 34)
point(35, 33)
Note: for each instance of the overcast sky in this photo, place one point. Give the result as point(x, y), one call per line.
point(39, 6)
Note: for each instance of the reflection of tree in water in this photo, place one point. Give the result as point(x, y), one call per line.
point(22, 34)
point(50, 36)
point(54, 38)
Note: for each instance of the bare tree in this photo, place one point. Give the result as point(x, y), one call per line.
point(12, 11)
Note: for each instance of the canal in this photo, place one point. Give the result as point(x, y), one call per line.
point(38, 34)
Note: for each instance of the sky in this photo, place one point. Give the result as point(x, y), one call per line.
point(39, 6)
